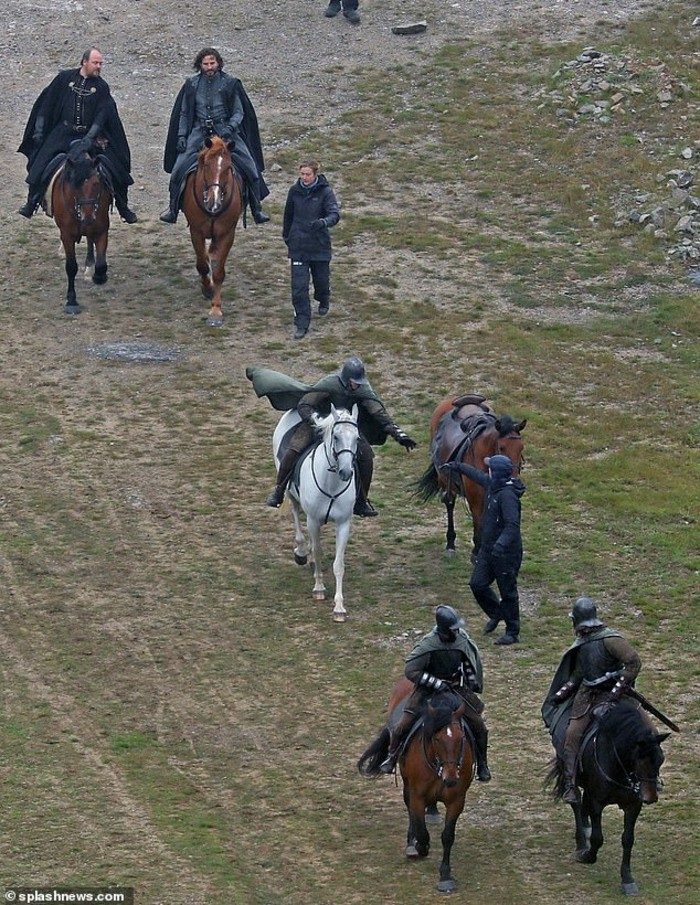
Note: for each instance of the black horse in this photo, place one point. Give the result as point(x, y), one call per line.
point(619, 765)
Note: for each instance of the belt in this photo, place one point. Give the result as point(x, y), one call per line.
point(74, 127)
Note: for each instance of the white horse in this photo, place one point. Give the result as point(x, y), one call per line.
point(326, 491)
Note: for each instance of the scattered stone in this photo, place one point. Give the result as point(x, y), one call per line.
point(148, 353)
point(664, 96)
point(687, 153)
point(684, 179)
point(684, 225)
point(413, 28)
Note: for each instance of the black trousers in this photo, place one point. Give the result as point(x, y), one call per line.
point(320, 273)
point(505, 573)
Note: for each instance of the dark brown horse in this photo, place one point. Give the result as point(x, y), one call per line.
point(465, 428)
point(437, 765)
point(619, 765)
point(212, 202)
point(80, 202)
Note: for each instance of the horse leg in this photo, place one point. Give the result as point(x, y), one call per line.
point(301, 552)
point(432, 815)
point(218, 252)
point(451, 535)
point(454, 809)
point(421, 836)
point(319, 591)
point(89, 259)
point(590, 855)
point(203, 269)
point(72, 306)
point(411, 850)
point(629, 887)
point(342, 535)
point(100, 274)
point(581, 835)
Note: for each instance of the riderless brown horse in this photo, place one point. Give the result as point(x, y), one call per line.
point(466, 429)
point(80, 200)
point(212, 203)
point(437, 764)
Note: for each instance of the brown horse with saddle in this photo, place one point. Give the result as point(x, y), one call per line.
point(467, 429)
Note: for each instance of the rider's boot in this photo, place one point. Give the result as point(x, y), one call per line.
point(388, 765)
point(31, 204)
point(259, 216)
point(169, 215)
point(284, 472)
point(121, 202)
point(570, 794)
point(365, 468)
point(483, 774)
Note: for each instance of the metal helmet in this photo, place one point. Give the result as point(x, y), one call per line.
point(353, 369)
point(585, 613)
point(448, 619)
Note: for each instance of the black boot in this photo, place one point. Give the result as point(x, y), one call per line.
point(169, 215)
point(570, 794)
point(363, 479)
point(125, 212)
point(31, 204)
point(284, 472)
point(363, 507)
point(389, 764)
point(259, 216)
point(483, 774)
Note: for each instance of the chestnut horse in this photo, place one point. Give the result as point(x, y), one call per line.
point(466, 429)
point(212, 203)
point(80, 200)
point(437, 764)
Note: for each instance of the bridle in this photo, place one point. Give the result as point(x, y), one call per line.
point(80, 203)
point(333, 466)
point(207, 186)
point(437, 765)
point(632, 783)
point(513, 435)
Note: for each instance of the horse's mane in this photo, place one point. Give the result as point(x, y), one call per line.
point(215, 146)
point(79, 167)
point(438, 713)
point(506, 425)
point(326, 424)
point(625, 724)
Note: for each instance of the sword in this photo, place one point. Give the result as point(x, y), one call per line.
point(633, 693)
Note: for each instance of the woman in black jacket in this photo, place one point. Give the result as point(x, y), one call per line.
point(310, 211)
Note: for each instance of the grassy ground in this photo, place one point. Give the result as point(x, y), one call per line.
point(178, 715)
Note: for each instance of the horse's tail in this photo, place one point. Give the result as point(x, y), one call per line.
point(555, 778)
point(427, 486)
point(369, 762)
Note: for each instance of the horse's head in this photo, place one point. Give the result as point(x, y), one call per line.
point(443, 730)
point(636, 749)
point(509, 442)
point(216, 169)
point(647, 758)
point(84, 182)
point(340, 436)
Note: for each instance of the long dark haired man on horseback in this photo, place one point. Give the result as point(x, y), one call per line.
point(445, 659)
point(599, 666)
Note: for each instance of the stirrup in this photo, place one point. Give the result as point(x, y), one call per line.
point(388, 765)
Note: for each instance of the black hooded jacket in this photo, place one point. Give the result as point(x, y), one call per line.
point(304, 206)
point(500, 528)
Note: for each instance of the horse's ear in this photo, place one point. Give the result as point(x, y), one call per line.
point(334, 411)
point(497, 425)
point(230, 145)
point(355, 411)
point(207, 141)
point(521, 426)
point(661, 737)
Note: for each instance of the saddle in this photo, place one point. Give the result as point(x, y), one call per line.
point(457, 430)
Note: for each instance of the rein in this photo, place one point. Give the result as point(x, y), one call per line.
point(80, 202)
point(213, 185)
point(632, 783)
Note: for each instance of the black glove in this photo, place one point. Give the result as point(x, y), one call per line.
point(181, 144)
point(83, 145)
point(226, 134)
point(450, 466)
point(318, 224)
point(404, 440)
point(38, 138)
point(498, 552)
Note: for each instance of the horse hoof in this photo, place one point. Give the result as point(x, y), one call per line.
point(340, 617)
point(215, 321)
point(319, 595)
point(412, 851)
point(587, 856)
point(99, 279)
point(432, 817)
point(72, 309)
point(630, 889)
point(446, 886)
point(300, 560)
